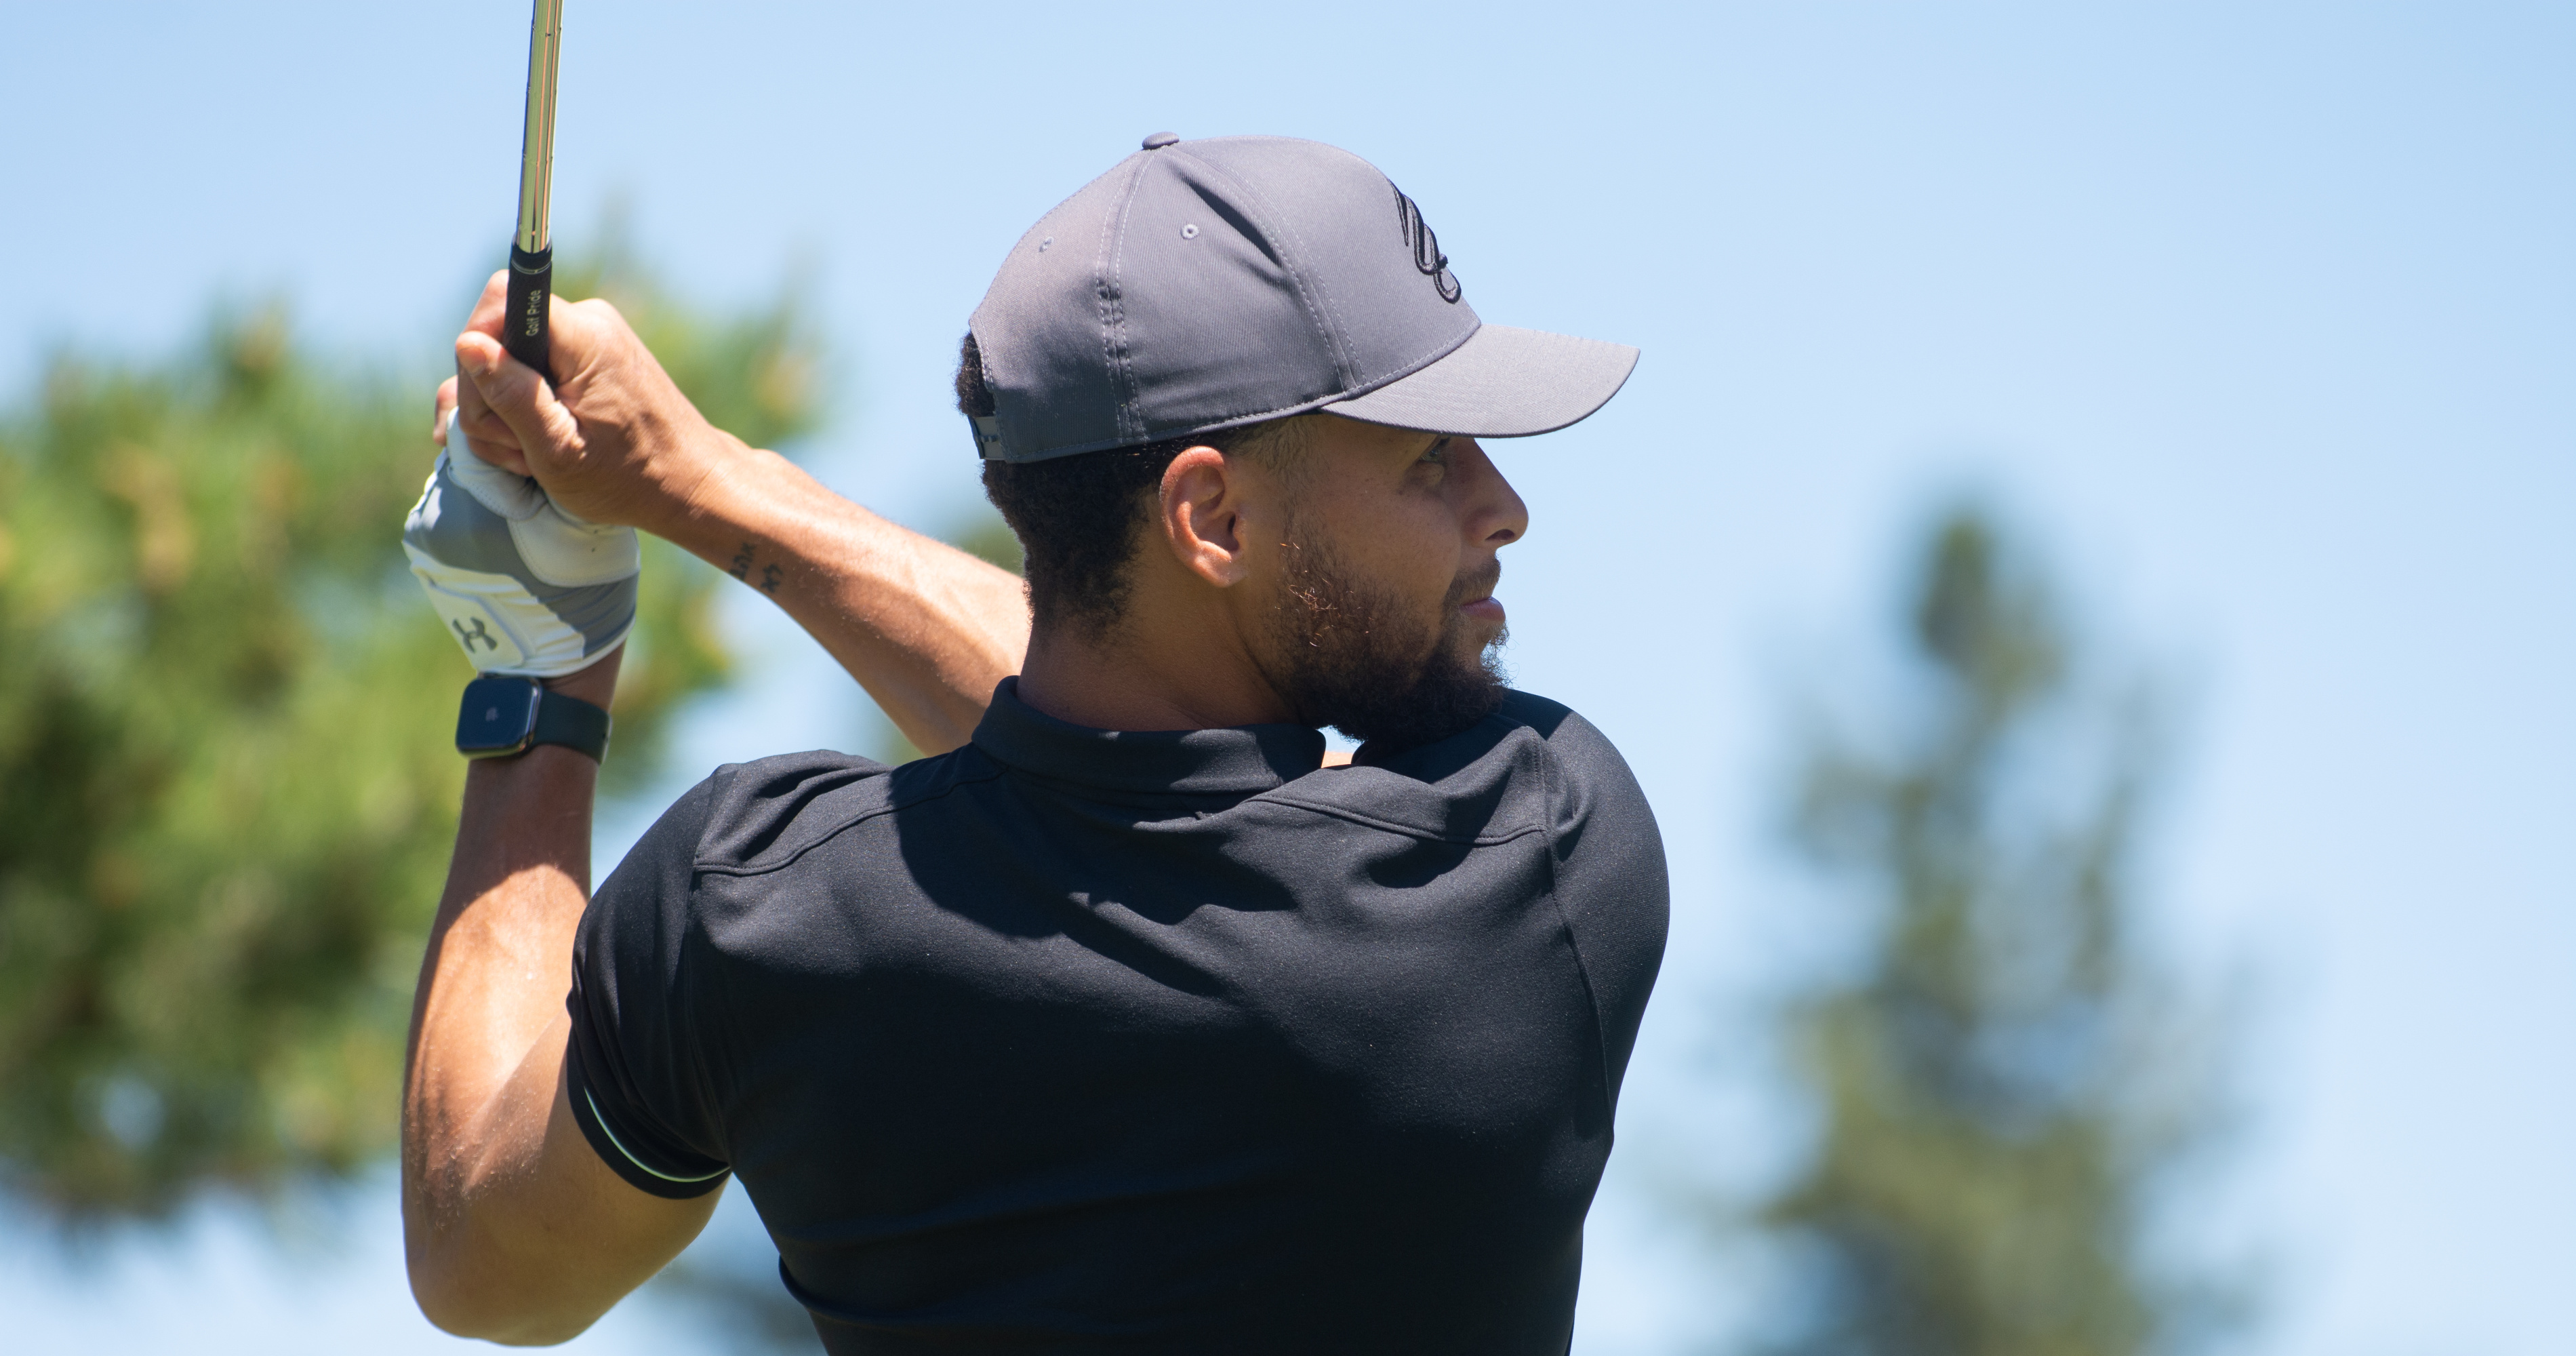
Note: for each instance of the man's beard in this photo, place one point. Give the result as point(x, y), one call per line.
point(1351, 657)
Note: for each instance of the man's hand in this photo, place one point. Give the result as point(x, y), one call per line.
point(612, 440)
point(522, 587)
point(927, 629)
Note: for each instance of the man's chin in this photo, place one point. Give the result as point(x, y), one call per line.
point(1460, 686)
point(1348, 658)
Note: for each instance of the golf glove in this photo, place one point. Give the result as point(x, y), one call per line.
point(525, 587)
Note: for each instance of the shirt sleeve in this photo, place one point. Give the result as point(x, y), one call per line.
point(1610, 881)
point(634, 1070)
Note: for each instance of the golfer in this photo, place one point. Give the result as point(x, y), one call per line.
point(1123, 1022)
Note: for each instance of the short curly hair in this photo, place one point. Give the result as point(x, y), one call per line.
point(1077, 517)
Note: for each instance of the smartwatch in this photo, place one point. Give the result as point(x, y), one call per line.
point(505, 716)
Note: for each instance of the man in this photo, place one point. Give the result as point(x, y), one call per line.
point(1121, 1023)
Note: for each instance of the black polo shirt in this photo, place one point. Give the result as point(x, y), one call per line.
point(1074, 1040)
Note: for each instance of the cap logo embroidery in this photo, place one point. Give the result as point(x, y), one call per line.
point(1426, 248)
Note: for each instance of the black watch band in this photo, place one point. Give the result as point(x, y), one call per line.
point(504, 716)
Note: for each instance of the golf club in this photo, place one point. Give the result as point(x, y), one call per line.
point(532, 253)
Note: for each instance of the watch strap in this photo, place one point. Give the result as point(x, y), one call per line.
point(571, 722)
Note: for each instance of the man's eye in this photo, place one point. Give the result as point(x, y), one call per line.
point(1439, 452)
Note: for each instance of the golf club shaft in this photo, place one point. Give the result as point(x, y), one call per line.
point(532, 253)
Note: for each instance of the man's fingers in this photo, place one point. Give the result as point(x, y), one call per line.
point(537, 422)
point(488, 433)
point(487, 437)
point(500, 454)
point(490, 438)
point(443, 406)
point(503, 408)
point(488, 307)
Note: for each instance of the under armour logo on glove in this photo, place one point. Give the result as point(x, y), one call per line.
point(525, 587)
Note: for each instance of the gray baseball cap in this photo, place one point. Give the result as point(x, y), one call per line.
point(1201, 285)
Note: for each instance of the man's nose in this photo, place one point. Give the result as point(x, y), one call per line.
point(1495, 513)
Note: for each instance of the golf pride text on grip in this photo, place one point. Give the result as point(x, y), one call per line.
point(532, 253)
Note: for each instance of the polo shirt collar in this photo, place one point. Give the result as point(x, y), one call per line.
point(1241, 760)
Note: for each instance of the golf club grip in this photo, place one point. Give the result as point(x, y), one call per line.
point(523, 325)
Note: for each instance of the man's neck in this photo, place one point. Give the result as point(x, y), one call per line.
point(1127, 681)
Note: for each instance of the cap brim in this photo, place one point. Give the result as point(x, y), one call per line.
point(1501, 383)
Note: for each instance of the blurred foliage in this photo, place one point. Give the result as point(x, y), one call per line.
point(227, 792)
point(2006, 1080)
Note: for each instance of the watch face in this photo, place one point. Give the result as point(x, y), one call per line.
point(497, 716)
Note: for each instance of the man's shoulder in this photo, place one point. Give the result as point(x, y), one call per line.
point(1576, 745)
point(770, 812)
point(1525, 726)
point(1590, 776)
point(1526, 766)
point(1555, 722)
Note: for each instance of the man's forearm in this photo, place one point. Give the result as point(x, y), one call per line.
point(512, 1228)
point(492, 985)
point(499, 953)
point(926, 628)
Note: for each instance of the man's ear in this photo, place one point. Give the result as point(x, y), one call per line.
point(1202, 514)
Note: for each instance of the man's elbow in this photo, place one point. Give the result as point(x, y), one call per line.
point(480, 1298)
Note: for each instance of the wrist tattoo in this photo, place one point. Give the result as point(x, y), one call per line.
point(745, 558)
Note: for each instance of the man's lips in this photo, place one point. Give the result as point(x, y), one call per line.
point(1475, 590)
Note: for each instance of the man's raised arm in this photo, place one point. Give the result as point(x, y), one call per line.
point(926, 628)
point(514, 1228)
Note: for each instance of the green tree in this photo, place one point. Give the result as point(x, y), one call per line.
point(226, 795)
point(2006, 1080)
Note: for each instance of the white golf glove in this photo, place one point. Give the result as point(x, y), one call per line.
point(525, 587)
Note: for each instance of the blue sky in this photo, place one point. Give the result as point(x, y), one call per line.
point(2262, 317)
